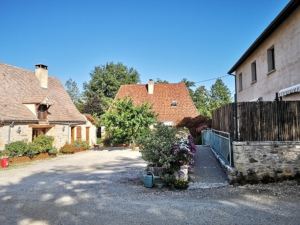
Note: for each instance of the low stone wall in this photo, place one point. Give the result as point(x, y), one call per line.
point(265, 161)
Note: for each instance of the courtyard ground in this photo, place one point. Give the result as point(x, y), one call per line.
point(103, 187)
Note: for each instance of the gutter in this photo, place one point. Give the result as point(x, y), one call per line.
point(279, 19)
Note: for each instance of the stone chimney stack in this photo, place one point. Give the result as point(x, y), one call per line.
point(41, 72)
point(150, 87)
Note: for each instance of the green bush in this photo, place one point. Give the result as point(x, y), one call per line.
point(4, 153)
point(17, 148)
point(68, 149)
point(156, 148)
point(181, 184)
point(44, 143)
point(32, 149)
point(52, 151)
point(40, 144)
point(125, 122)
point(81, 144)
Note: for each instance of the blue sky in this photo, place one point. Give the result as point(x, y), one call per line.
point(166, 39)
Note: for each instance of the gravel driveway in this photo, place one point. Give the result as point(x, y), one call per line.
point(102, 187)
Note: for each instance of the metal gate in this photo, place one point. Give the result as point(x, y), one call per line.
point(220, 143)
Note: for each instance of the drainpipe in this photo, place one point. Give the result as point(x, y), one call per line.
point(235, 138)
point(235, 107)
point(9, 130)
point(69, 127)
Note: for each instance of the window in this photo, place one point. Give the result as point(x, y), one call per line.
point(42, 112)
point(253, 72)
point(174, 103)
point(240, 82)
point(271, 59)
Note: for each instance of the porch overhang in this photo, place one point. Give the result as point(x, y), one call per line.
point(290, 90)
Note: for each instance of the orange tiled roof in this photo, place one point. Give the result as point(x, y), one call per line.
point(19, 86)
point(161, 100)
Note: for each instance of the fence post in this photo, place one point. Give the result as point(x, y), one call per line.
point(277, 115)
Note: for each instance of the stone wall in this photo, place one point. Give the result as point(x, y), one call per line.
point(17, 133)
point(265, 161)
point(61, 134)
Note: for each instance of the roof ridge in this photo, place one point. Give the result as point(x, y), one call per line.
point(27, 70)
point(16, 67)
point(154, 84)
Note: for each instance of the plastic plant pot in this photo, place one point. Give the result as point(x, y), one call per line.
point(4, 162)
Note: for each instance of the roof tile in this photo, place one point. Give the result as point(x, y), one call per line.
point(161, 100)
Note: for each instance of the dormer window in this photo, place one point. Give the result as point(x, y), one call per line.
point(42, 112)
point(174, 103)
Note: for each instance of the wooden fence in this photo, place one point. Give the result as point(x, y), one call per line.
point(259, 121)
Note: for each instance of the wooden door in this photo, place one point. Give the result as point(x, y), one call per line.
point(87, 135)
point(78, 134)
point(38, 131)
point(72, 134)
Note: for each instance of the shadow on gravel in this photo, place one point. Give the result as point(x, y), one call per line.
point(111, 194)
point(65, 194)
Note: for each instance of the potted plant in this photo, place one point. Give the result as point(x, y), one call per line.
point(4, 159)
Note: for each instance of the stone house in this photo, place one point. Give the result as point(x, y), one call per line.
point(272, 63)
point(33, 103)
point(172, 102)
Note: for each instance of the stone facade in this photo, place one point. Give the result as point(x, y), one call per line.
point(263, 161)
point(61, 134)
point(286, 42)
point(92, 130)
point(17, 133)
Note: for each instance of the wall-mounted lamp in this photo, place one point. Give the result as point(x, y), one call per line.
point(63, 129)
point(19, 130)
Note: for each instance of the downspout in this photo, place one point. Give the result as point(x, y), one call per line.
point(69, 127)
point(235, 108)
point(235, 138)
point(9, 131)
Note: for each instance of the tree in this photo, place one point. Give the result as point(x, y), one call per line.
point(126, 123)
point(219, 94)
point(74, 92)
point(160, 81)
point(208, 101)
point(201, 99)
point(104, 84)
point(189, 85)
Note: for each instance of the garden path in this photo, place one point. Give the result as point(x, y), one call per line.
point(207, 171)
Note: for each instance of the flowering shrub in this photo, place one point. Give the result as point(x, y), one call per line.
point(168, 148)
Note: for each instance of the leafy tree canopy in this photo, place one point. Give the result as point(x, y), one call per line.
point(74, 92)
point(220, 95)
point(104, 84)
point(160, 81)
point(126, 123)
point(201, 99)
point(207, 101)
point(189, 85)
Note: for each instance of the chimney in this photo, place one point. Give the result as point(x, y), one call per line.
point(150, 87)
point(41, 72)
